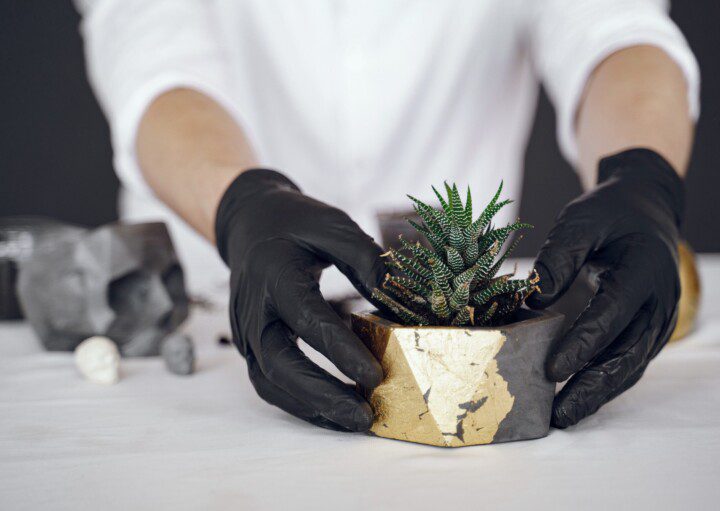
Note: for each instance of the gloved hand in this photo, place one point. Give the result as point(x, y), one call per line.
point(626, 232)
point(276, 242)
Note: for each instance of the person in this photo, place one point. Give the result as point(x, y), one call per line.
point(354, 103)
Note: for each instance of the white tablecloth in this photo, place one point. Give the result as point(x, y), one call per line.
point(159, 441)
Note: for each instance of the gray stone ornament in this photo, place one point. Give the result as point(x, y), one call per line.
point(121, 281)
point(178, 352)
point(18, 238)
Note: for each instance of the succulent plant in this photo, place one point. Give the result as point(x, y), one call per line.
point(454, 282)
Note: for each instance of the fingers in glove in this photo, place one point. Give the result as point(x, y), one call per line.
point(286, 366)
point(301, 306)
point(276, 396)
point(343, 243)
point(365, 270)
point(560, 259)
point(614, 371)
point(621, 292)
point(666, 331)
point(629, 382)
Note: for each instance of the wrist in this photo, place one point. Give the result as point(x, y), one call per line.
point(648, 175)
point(243, 197)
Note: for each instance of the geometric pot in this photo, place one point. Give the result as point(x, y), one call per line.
point(456, 386)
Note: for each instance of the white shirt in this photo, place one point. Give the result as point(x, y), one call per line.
point(361, 101)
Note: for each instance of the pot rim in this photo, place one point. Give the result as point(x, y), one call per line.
point(536, 316)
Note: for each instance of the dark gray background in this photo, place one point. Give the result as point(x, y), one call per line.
point(55, 157)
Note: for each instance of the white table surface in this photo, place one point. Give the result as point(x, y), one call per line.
point(158, 441)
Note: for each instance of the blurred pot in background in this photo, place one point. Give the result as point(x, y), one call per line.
point(690, 293)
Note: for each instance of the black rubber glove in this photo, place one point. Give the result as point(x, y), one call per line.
point(626, 230)
point(276, 242)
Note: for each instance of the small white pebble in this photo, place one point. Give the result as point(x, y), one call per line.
point(98, 360)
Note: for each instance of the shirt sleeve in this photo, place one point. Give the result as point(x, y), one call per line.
point(137, 49)
point(569, 38)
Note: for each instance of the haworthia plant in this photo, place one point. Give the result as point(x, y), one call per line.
point(455, 282)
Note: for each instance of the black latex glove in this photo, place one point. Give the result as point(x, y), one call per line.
point(276, 242)
point(626, 231)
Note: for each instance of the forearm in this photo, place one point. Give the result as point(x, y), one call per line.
point(635, 98)
point(190, 149)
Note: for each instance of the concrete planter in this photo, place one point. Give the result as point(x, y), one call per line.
point(454, 387)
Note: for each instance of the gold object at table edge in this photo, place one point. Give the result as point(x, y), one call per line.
point(690, 292)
